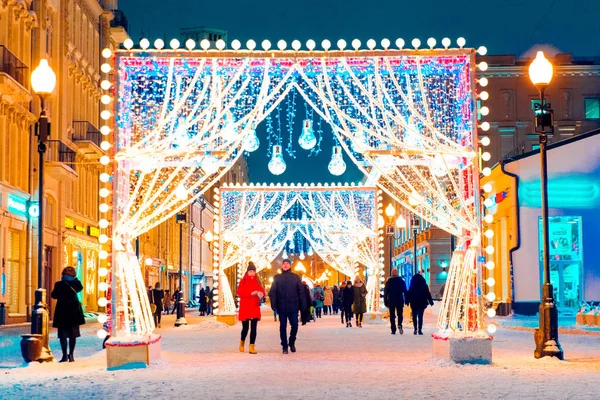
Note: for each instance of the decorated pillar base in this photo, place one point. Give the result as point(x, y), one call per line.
point(229, 319)
point(132, 352)
point(463, 349)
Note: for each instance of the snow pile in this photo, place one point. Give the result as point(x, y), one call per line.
point(208, 326)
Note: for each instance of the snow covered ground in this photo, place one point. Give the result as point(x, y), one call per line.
point(202, 361)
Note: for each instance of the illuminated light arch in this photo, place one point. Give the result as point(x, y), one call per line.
point(407, 118)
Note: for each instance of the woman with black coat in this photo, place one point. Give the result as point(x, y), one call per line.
point(157, 299)
point(68, 314)
point(418, 299)
point(202, 301)
point(347, 301)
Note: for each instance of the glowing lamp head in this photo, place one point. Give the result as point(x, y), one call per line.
point(190, 44)
point(43, 79)
point(208, 236)
point(540, 70)
point(401, 222)
point(128, 44)
point(390, 210)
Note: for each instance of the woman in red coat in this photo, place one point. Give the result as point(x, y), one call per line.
point(251, 293)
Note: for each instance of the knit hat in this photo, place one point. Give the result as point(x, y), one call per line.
point(251, 266)
point(287, 260)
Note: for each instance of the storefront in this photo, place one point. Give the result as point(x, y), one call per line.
point(574, 209)
point(13, 235)
point(81, 249)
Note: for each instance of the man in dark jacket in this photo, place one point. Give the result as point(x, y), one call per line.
point(394, 295)
point(287, 298)
point(336, 293)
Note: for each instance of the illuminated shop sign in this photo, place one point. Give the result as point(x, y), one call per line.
point(17, 205)
point(93, 231)
point(69, 223)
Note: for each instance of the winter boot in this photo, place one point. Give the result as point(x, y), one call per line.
point(415, 332)
point(400, 330)
point(252, 350)
point(242, 342)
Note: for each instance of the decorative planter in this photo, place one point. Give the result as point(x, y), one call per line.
point(31, 347)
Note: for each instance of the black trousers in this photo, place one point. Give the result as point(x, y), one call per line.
point(359, 318)
point(252, 324)
point(393, 311)
point(417, 316)
point(157, 316)
point(348, 314)
point(327, 310)
point(283, 319)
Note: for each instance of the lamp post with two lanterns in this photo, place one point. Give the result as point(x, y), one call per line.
point(546, 337)
point(35, 346)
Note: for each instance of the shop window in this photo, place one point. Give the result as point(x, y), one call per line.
point(592, 108)
point(13, 267)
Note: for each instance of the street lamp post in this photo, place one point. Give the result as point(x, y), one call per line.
point(546, 337)
point(415, 228)
point(390, 211)
point(43, 81)
point(180, 218)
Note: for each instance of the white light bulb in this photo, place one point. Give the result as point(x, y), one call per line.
point(251, 142)
point(190, 44)
point(446, 42)
point(105, 99)
point(461, 42)
point(337, 166)
point(491, 329)
point(489, 218)
point(102, 302)
point(489, 234)
point(277, 164)
point(105, 68)
point(400, 43)
point(205, 44)
point(102, 318)
point(485, 126)
point(104, 145)
point(482, 50)
point(105, 130)
point(296, 45)
point(103, 207)
point(104, 160)
point(486, 171)
point(236, 44)
point(102, 286)
point(181, 193)
point(144, 43)
point(483, 82)
point(128, 44)
point(105, 84)
point(487, 187)
point(220, 44)
point(310, 44)
point(485, 141)
point(371, 43)
point(484, 110)
point(356, 44)
point(490, 282)
point(105, 115)
point(104, 177)
point(102, 239)
point(488, 203)
point(326, 44)
point(486, 156)
point(159, 44)
point(484, 95)
point(106, 52)
point(266, 45)
point(104, 192)
point(491, 296)
point(281, 45)
point(102, 272)
point(103, 254)
point(490, 265)
point(491, 312)
point(431, 42)
point(489, 250)
point(102, 334)
point(174, 43)
point(341, 44)
point(415, 43)
point(250, 44)
point(483, 66)
point(385, 43)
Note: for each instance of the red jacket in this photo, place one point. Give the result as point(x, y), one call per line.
point(249, 304)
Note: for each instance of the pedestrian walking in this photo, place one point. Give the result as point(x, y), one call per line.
point(202, 308)
point(347, 303)
point(418, 299)
point(335, 304)
point(305, 312)
point(287, 298)
point(360, 300)
point(68, 315)
point(158, 296)
point(175, 299)
point(394, 298)
point(167, 302)
point(328, 301)
point(251, 293)
point(209, 300)
point(318, 296)
point(340, 301)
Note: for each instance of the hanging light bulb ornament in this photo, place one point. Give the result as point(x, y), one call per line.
point(307, 140)
point(337, 166)
point(229, 131)
point(277, 164)
point(251, 141)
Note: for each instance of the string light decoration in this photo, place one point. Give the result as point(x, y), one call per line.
point(404, 117)
point(338, 222)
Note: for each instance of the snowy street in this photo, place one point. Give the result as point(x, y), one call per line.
point(201, 360)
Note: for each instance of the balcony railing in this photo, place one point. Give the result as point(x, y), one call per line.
point(83, 130)
point(120, 20)
point(14, 67)
point(58, 151)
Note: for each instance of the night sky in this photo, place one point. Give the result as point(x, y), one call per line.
point(503, 26)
